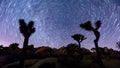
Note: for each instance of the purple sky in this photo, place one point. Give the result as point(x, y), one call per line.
point(57, 20)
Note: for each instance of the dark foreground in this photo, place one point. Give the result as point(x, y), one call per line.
point(57, 62)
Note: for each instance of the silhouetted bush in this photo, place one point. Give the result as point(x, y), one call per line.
point(44, 52)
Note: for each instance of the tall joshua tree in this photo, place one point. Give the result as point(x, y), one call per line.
point(26, 30)
point(79, 38)
point(87, 26)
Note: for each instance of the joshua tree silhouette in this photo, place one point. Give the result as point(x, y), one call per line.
point(87, 26)
point(26, 30)
point(79, 38)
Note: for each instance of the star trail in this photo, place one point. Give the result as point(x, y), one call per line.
point(57, 20)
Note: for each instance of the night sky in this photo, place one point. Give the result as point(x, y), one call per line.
point(56, 20)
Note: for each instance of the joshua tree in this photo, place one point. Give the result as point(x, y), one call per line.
point(79, 38)
point(26, 30)
point(87, 26)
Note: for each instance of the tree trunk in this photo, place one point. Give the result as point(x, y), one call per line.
point(99, 60)
point(24, 52)
point(80, 51)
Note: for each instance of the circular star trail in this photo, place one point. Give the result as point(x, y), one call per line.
point(57, 20)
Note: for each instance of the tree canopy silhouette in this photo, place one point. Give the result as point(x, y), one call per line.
point(26, 30)
point(87, 26)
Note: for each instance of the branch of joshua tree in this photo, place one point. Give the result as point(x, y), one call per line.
point(87, 26)
point(98, 24)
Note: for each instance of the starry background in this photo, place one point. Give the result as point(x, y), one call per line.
point(57, 20)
